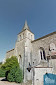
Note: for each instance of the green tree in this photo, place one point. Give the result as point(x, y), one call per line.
point(12, 70)
point(0, 64)
point(10, 63)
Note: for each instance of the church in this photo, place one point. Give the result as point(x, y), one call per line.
point(41, 51)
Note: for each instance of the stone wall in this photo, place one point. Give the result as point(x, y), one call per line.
point(19, 51)
point(10, 53)
point(52, 62)
point(43, 42)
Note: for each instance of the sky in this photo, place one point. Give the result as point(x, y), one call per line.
point(40, 16)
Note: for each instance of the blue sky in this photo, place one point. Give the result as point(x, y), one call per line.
point(40, 15)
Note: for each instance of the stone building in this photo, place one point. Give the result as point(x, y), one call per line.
point(41, 51)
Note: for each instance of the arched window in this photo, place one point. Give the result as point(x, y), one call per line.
point(42, 54)
point(20, 37)
point(20, 60)
point(31, 37)
point(23, 35)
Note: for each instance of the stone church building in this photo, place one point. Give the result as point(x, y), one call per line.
point(41, 51)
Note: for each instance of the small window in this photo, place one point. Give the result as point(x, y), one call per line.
point(23, 35)
point(42, 54)
point(20, 60)
point(20, 37)
point(20, 56)
point(31, 37)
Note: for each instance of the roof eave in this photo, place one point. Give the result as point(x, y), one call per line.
point(45, 36)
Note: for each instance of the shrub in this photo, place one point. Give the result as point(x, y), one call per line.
point(11, 74)
point(10, 78)
point(15, 75)
point(12, 70)
point(19, 76)
point(10, 63)
point(2, 73)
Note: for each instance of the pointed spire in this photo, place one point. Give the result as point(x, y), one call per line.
point(25, 26)
point(25, 23)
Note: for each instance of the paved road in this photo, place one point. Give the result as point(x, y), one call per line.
point(7, 83)
point(11, 83)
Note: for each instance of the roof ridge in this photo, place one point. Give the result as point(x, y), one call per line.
point(45, 36)
point(10, 50)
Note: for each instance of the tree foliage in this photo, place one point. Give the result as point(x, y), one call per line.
point(2, 73)
point(12, 70)
point(11, 74)
point(10, 62)
point(0, 64)
point(15, 75)
point(19, 75)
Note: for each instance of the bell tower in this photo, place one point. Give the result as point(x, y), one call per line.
point(23, 48)
point(25, 33)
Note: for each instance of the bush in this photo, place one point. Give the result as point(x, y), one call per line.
point(2, 73)
point(15, 75)
point(19, 76)
point(11, 74)
point(10, 78)
point(10, 63)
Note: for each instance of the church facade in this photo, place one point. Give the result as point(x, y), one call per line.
point(41, 51)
